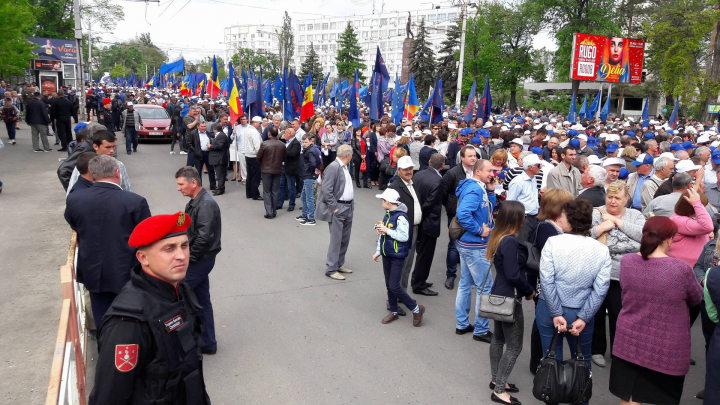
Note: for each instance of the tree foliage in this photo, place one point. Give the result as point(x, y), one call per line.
point(448, 57)
point(133, 54)
point(349, 55)
point(53, 18)
point(251, 60)
point(205, 66)
point(100, 15)
point(422, 62)
point(15, 50)
point(286, 42)
point(311, 64)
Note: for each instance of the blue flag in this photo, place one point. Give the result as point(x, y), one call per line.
point(484, 108)
point(673, 117)
point(268, 94)
point(606, 109)
point(595, 106)
point(377, 87)
point(583, 109)
point(259, 108)
point(645, 113)
point(397, 104)
point(470, 107)
point(353, 113)
point(278, 92)
point(572, 115)
point(177, 66)
point(438, 102)
point(288, 110)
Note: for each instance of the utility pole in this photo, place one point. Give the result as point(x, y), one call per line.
point(89, 52)
point(78, 43)
point(462, 55)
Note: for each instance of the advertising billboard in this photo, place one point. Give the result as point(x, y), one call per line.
point(607, 59)
point(57, 49)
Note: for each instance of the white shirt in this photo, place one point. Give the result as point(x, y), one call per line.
point(299, 134)
point(204, 140)
point(417, 214)
point(252, 141)
point(239, 137)
point(347, 194)
point(523, 188)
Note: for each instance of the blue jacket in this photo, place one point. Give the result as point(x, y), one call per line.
point(395, 243)
point(475, 207)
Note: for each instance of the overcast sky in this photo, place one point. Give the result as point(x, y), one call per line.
point(195, 27)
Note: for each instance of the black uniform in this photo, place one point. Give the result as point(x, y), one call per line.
point(147, 345)
point(106, 119)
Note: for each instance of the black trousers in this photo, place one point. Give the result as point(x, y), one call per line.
point(74, 114)
point(220, 174)
point(64, 131)
point(425, 248)
point(271, 189)
point(199, 167)
point(357, 161)
point(252, 185)
point(528, 228)
point(613, 305)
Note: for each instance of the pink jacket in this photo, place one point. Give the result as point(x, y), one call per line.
point(692, 235)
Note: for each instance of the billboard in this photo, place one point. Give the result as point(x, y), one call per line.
point(57, 49)
point(607, 59)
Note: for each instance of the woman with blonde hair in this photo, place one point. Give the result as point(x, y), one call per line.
point(629, 154)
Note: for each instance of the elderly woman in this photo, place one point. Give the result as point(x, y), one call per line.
point(652, 353)
point(329, 144)
point(694, 227)
point(628, 155)
point(620, 229)
point(574, 274)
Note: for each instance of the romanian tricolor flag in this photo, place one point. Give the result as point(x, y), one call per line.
point(213, 87)
point(412, 106)
point(308, 108)
point(184, 82)
point(234, 98)
point(199, 88)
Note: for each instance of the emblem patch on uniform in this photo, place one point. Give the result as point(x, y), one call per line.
point(126, 357)
point(174, 323)
point(181, 219)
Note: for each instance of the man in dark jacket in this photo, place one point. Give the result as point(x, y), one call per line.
point(290, 170)
point(85, 180)
point(271, 156)
point(468, 157)
point(204, 236)
point(594, 181)
point(62, 113)
point(408, 196)
point(428, 186)
point(455, 147)
point(427, 151)
point(218, 157)
point(75, 105)
point(104, 257)
point(104, 116)
point(36, 116)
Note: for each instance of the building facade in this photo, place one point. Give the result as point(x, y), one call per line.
point(261, 38)
point(386, 30)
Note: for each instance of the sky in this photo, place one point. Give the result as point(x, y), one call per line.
point(195, 27)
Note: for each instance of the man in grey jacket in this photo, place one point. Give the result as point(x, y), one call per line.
point(130, 126)
point(335, 206)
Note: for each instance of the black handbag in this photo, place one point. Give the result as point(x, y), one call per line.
point(534, 254)
point(567, 382)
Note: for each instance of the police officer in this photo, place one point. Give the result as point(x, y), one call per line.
point(147, 343)
point(104, 116)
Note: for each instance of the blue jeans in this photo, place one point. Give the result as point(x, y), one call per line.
point(474, 265)
point(452, 256)
point(198, 279)
point(287, 184)
point(131, 139)
point(308, 199)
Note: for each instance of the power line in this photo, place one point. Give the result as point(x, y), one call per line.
point(181, 9)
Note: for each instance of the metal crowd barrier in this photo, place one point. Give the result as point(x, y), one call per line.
point(67, 375)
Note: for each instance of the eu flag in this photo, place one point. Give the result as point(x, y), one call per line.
point(470, 107)
point(353, 113)
point(379, 85)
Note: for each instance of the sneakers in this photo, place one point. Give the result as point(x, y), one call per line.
point(301, 218)
point(48, 150)
point(308, 222)
point(37, 150)
point(172, 153)
point(13, 142)
point(336, 276)
point(182, 152)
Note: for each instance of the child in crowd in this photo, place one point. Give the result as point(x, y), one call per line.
point(393, 246)
point(311, 168)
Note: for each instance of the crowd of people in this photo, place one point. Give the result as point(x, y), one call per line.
point(624, 213)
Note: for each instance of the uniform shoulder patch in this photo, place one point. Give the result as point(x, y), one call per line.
point(126, 357)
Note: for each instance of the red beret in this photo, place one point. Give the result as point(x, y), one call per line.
point(106, 101)
point(159, 227)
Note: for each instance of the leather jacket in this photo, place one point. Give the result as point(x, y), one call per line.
point(205, 226)
point(271, 156)
point(65, 170)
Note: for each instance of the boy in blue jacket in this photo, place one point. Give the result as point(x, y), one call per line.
point(476, 199)
point(393, 246)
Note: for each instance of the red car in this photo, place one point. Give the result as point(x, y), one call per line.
point(154, 122)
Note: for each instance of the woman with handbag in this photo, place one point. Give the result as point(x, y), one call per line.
point(359, 154)
point(620, 229)
point(509, 255)
point(575, 275)
point(651, 355)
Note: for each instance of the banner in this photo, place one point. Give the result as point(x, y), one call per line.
point(607, 59)
point(177, 66)
point(58, 49)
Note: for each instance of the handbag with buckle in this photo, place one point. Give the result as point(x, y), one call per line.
point(496, 307)
point(567, 382)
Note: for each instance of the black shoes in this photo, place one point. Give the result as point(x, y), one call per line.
point(129, 152)
point(450, 283)
point(485, 337)
point(257, 198)
point(62, 150)
point(465, 330)
point(135, 150)
point(513, 400)
point(268, 216)
point(370, 187)
point(218, 192)
point(426, 291)
point(400, 311)
point(290, 209)
point(510, 387)
point(208, 351)
point(428, 285)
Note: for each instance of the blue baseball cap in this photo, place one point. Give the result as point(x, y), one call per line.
point(676, 147)
point(476, 140)
point(643, 159)
point(670, 131)
point(688, 145)
point(591, 140)
point(575, 143)
point(536, 150)
point(611, 147)
point(624, 173)
point(80, 126)
point(630, 133)
point(716, 156)
point(483, 132)
point(466, 131)
point(572, 132)
point(650, 135)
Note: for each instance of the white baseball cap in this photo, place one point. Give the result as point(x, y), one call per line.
point(668, 155)
point(129, 103)
point(686, 166)
point(531, 160)
point(594, 160)
point(405, 162)
point(390, 195)
point(256, 119)
point(611, 161)
point(517, 141)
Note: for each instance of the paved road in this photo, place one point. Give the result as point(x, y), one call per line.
point(287, 334)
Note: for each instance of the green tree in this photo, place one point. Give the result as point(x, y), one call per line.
point(119, 71)
point(449, 55)
point(311, 64)
point(97, 16)
point(205, 66)
point(422, 62)
point(349, 55)
point(248, 59)
point(482, 52)
point(286, 42)
point(133, 54)
point(15, 50)
point(53, 18)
